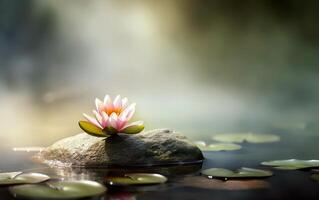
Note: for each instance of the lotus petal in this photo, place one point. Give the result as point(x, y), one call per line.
point(99, 105)
point(113, 120)
point(128, 113)
point(117, 103)
point(92, 120)
point(124, 103)
point(98, 117)
point(105, 119)
point(108, 104)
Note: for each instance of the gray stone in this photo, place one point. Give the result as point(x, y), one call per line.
point(155, 147)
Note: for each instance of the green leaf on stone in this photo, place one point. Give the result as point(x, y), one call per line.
point(92, 129)
point(240, 173)
point(217, 146)
point(134, 129)
point(59, 190)
point(136, 179)
point(13, 178)
point(109, 130)
point(292, 164)
point(246, 137)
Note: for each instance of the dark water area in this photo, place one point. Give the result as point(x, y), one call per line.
point(185, 182)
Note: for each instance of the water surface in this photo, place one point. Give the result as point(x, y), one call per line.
point(185, 182)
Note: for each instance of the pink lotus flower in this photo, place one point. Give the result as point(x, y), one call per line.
point(111, 117)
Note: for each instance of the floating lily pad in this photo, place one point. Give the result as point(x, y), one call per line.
point(200, 144)
point(137, 179)
point(315, 177)
point(223, 147)
point(59, 190)
point(216, 184)
point(240, 173)
point(246, 137)
point(12, 178)
point(292, 164)
point(217, 146)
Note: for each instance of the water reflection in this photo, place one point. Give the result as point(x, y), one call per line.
point(120, 196)
point(215, 184)
point(98, 174)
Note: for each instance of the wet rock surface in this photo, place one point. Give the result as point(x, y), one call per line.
point(155, 147)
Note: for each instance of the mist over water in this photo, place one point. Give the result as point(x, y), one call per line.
point(200, 67)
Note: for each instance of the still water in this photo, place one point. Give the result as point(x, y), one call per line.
point(185, 182)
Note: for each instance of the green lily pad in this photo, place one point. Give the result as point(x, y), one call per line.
point(240, 173)
point(92, 129)
point(12, 178)
point(246, 137)
point(136, 179)
point(217, 184)
point(292, 164)
point(315, 177)
point(217, 146)
point(59, 190)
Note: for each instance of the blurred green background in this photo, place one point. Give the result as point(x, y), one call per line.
point(198, 66)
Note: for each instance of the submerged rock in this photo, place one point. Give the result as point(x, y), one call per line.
point(155, 147)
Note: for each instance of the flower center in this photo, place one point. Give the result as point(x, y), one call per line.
point(117, 111)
